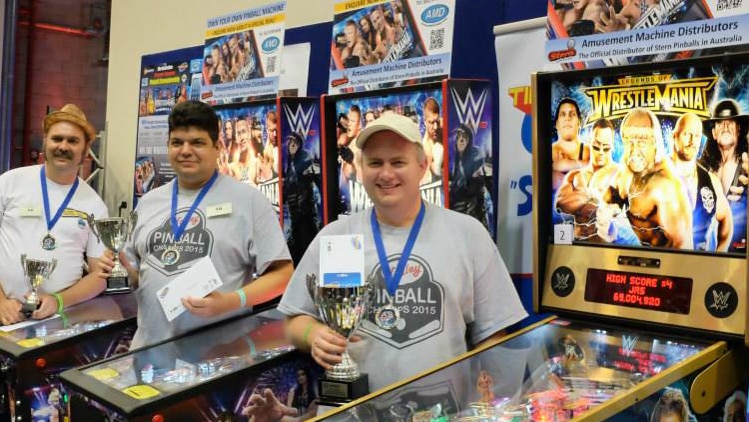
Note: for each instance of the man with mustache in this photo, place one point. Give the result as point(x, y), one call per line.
point(725, 155)
point(711, 215)
point(43, 214)
point(583, 188)
point(647, 188)
point(568, 152)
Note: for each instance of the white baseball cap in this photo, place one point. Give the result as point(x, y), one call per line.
point(401, 125)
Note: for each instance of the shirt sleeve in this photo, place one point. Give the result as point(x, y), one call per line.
point(496, 301)
point(296, 299)
point(267, 244)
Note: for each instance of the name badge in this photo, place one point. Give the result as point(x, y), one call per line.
point(31, 210)
point(218, 209)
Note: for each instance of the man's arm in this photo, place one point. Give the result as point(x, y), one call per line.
point(84, 289)
point(309, 335)
point(723, 215)
point(10, 310)
point(270, 285)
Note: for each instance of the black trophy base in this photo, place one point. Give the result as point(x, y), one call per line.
point(28, 308)
point(336, 392)
point(117, 286)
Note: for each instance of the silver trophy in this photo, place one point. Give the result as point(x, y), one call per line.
point(114, 232)
point(36, 271)
point(342, 309)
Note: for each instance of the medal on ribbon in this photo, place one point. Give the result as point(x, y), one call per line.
point(48, 241)
point(388, 316)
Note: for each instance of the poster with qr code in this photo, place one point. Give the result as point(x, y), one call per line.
point(601, 33)
point(386, 43)
point(242, 55)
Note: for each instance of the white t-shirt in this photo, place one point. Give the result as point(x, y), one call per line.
point(22, 231)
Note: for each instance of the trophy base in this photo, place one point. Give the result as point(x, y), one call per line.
point(28, 308)
point(338, 392)
point(117, 285)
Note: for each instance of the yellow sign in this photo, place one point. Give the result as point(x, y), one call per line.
point(104, 374)
point(30, 342)
point(141, 392)
point(245, 26)
point(355, 4)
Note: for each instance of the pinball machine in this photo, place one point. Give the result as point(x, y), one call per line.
point(210, 375)
point(34, 353)
point(643, 263)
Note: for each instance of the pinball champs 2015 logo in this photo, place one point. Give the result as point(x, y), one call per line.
point(662, 94)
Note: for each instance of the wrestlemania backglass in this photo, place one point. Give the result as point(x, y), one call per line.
point(641, 177)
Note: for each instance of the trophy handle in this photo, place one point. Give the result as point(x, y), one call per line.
point(92, 225)
point(131, 222)
point(312, 285)
point(23, 263)
point(53, 266)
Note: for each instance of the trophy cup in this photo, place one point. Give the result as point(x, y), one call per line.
point(114, 232)
point(36, 272)
point(342, 309)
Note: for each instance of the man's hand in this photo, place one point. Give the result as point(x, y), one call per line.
point(47, 307)
point(326, 346)
point(216, 303)
point(265, 407)
point(10, 311)
point(103, 265)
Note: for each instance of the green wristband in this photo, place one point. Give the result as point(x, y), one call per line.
point(60, 304)
point(306, 333)
point(242, 298)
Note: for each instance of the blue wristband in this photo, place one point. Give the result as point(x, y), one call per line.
point(242, 298)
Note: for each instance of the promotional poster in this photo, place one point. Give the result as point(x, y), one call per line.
point(242, 54)
point(166, 79)
point(249, 145)
point(424, 106)
point(651, 159)
point(380, 43)
point(301, 172)
point(470, 152)
point(596, 33)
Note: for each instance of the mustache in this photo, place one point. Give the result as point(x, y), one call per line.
point(63, 154)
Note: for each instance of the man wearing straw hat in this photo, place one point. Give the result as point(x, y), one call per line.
point(43, 212)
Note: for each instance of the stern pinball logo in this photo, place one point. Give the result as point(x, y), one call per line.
point(661, 94)
point(563, 54)
point(343, 80)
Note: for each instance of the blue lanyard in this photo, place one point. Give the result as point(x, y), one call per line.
point(393, 280)
point(178, 229)
point(45, 198)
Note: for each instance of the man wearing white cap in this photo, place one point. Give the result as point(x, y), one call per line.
point(439, 279)
point(43, 213)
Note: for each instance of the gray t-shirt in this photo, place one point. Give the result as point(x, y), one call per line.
point(455, 287)
point(240, 243)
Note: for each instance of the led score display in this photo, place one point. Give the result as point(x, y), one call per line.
point(644, 291)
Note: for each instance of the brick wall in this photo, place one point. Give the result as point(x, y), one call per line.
point(54, 67)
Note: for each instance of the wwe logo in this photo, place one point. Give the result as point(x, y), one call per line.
point(628, 344)
point(561, 281)
point(720, 300)
point(469, 108)
point(299, 120)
